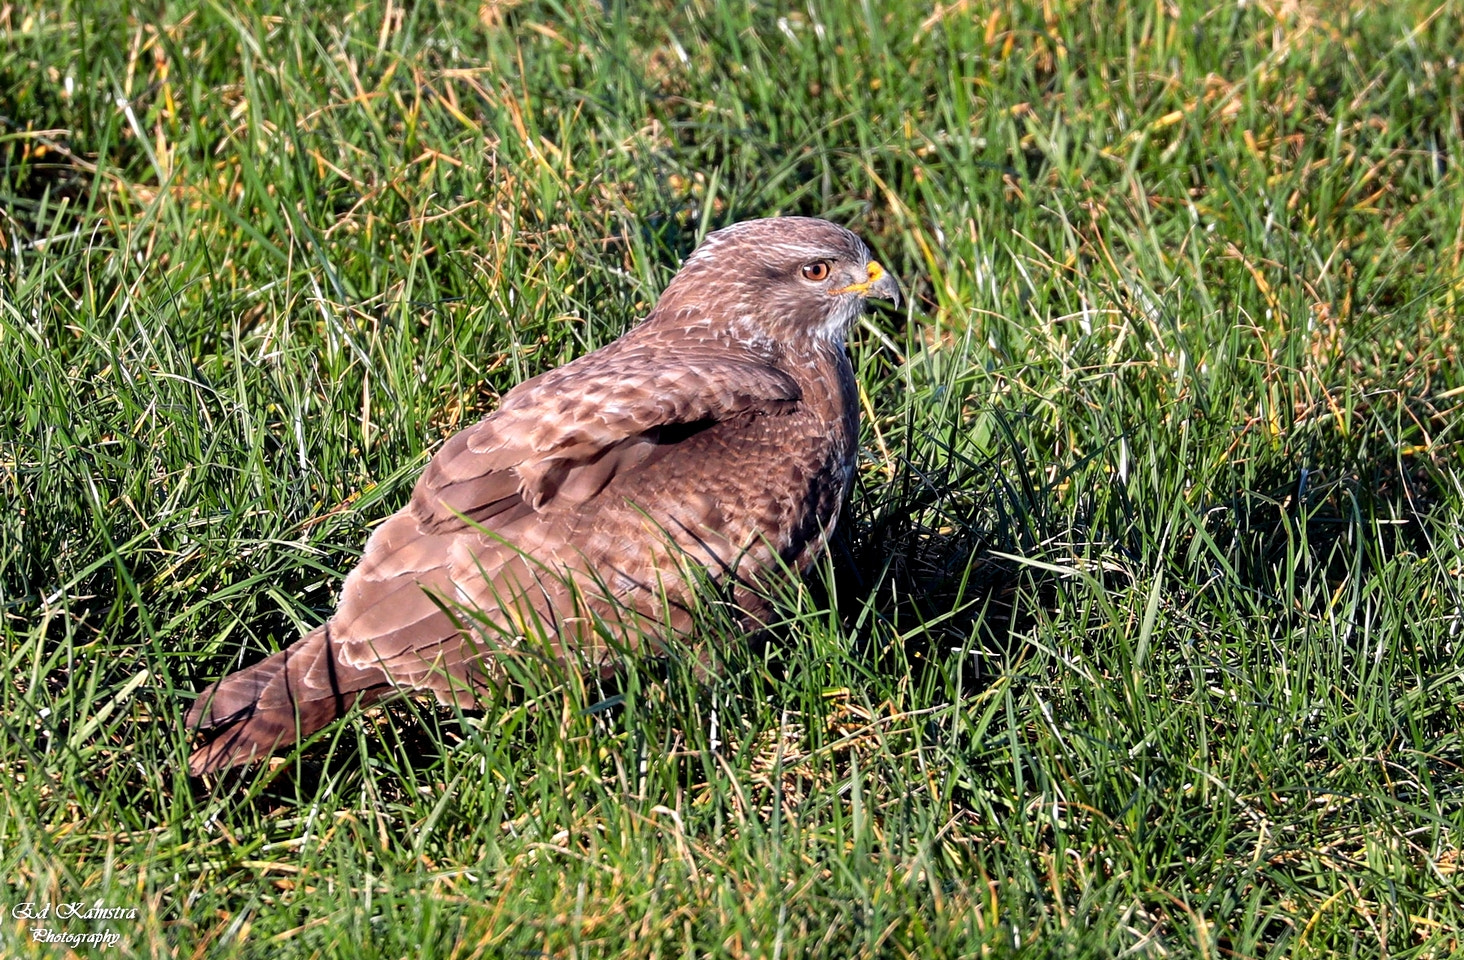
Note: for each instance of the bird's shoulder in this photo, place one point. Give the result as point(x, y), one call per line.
point(559, 438)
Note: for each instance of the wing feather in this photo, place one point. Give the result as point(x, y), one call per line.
point(515, 486)
point(568, 432)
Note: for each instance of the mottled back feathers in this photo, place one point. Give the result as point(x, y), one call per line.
point(718, 435)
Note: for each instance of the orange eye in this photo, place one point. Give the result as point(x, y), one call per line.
point(816, 271)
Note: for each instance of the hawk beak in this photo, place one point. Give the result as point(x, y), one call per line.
point(879, 283)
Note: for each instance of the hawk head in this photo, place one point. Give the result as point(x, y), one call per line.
point(794, 280)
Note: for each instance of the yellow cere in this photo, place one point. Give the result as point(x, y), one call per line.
point(875, 272)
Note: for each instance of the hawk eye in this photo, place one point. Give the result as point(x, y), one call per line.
point(816, 271)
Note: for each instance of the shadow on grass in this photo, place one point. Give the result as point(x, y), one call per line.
point(956, 554)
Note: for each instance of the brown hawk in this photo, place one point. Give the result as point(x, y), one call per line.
point(716, 439)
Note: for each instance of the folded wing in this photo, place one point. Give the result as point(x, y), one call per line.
point(508, 525)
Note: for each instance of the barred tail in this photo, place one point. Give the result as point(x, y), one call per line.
point(277, 701)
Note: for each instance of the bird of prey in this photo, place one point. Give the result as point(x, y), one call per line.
point(715, 441)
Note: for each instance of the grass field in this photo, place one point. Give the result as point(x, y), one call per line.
point(1142, 635)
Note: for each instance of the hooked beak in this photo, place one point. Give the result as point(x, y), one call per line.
point(879, 283)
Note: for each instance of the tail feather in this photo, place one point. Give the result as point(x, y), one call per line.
point(283, 698)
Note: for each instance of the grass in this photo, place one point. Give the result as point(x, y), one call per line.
point(1142, 636)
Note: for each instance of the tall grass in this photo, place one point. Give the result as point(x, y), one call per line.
point(1142, 631)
